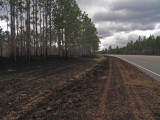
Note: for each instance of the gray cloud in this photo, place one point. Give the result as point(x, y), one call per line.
point(110, 28)
point(129, 17)
point(91, 3)
point(136, 5)
point(126, 16)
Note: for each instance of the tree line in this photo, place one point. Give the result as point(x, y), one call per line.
point(142, 46)
point(45, 28)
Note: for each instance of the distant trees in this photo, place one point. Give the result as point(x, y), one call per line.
point(142, 46)
point(45, 28)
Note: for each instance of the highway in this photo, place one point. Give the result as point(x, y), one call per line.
point(148, 64)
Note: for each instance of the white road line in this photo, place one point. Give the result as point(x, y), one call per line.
point(141, 67)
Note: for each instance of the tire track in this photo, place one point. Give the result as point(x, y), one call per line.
point(136, 104)
point(102, 114)
point(117, 101)
point(132, 102)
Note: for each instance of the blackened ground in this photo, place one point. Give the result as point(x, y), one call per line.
point(104, 88)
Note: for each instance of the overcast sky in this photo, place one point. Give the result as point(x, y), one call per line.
point(119, 21)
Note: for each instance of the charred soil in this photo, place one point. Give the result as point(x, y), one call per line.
point(104, 88)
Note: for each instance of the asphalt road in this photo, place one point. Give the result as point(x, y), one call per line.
point(149, 64)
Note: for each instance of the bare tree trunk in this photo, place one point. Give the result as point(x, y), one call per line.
point(24, 36)
point(13, 49)
point(41, 28)
point(28, 31)
point(36, 30)
point(62, 42)
point(43, 34)
point(17, 38)
point(69, 48)
point(59, 44)
point(66, 43)
point(34, 42)
point(50, 28)
point(8, 36)
point(46, 6)
point(21, 53)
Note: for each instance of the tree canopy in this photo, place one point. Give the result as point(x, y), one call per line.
point(46, 28)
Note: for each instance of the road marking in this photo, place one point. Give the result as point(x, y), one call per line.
point(141, 67)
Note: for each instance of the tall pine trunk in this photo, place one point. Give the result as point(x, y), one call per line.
point(46, 42)
point(43, 34)
point(34, 39)
point(17, 36)
point(13, 48)
point(41, 29)
point(59, 44)
point(50, 28)
point(36, 29)
point(21, 18)
point(66, 43)
point(28, 32)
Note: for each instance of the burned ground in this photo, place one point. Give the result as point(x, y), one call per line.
point(82, 89)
